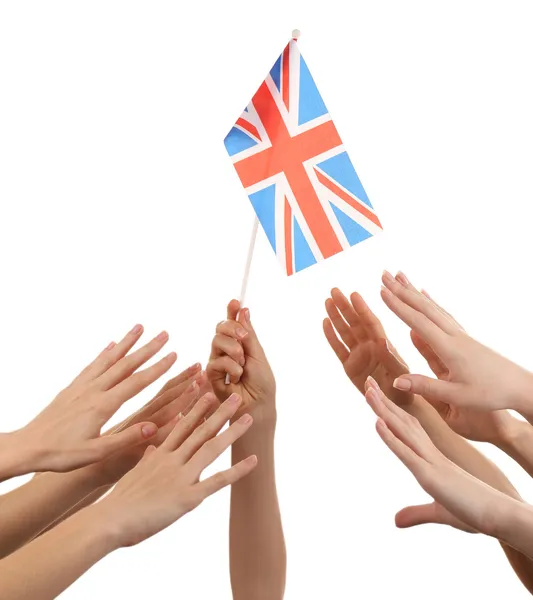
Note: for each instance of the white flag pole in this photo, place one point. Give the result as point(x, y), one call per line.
point(246, 275)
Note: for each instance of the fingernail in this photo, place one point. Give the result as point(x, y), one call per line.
point(245, 419)
point(195, 367)
point(234, 398)
point(372, 394)
point(247, 314)
point(149, 430)
point(111, 345)
point(402, 279)
point(136, 329)
point(171, 356)
point(179, 417)
point(372, 382)
point(386, 291)
point(251, 460)
point(241, 333)
point(193, 387)
point(402, 384)
point(387, 276)
point(161, 337)
point(424, 293)
point(242, 362)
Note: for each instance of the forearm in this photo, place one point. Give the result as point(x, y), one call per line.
point(517, 442)
point(257, 546)
point(30, 509)
point(50, 564)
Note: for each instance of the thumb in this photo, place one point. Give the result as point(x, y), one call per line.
point(416, 515)
point(430, 389)
point(252, 346)
point(105, 446)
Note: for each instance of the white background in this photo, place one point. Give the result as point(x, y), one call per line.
point(119, 205)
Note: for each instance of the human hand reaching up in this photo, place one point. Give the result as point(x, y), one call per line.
point(358, 339)
point(236, 350)
point(476, 376)
point(66, 435)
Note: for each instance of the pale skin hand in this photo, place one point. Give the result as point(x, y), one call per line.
point(478, 425)
point(163, 487)
point(479, 378)
point(470, 501)
point(258, 559)
point(236, 351)
point(50, 498)
point(66, 435)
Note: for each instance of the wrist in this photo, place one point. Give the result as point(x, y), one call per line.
point(512, 437)
point(522, 395)
point(17, 455)
point(105, 524)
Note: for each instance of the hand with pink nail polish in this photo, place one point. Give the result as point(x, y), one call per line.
point(474, 376)
point(461, 500)
point(236, 351)
point(358, 339)
point(66, 435)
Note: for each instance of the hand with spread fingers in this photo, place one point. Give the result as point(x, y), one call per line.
point(236, 351)
point(163, 487)
point(461, 500)
point(66, 435)
point(477, 377)
point(358, 339)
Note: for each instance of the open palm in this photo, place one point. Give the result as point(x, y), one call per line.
point(359, 341)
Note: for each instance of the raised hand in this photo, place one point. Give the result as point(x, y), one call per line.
point(476, 376)
point(66, 435)
point(236, 350)
point(166, 484)
point(461, 500)
point(358, 339)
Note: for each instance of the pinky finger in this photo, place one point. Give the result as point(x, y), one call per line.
point(220, 480)
point(409, 458)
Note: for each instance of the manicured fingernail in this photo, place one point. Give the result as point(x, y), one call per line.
point(111, 345)
point(386, 291)
point(247, 314)
point(161, 337)
point(402, 279)
point(387, 276)
point(245, 419)
point(424, 293)
point(372, 394)
point(402, 384)
point(171, 356)
point(241, 333)
point(251, 460)
point(192, 388)
point(149, 430)
point(195, 367)
point(179, 417)
point(372, 382)
point(137, 329)
point(234, 398)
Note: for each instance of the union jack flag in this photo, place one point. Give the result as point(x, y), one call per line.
point(295, 170)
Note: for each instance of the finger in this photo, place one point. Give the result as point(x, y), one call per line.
point(251, 344)
point(210, 428)
point(433, 361)
point(409, 458)
point(176, 405)
point(137, 382)
point(218, 367)
point(183, 379)
point(223, 345)
point(413, 298)
point(347, 310)
point(437, 338)
point(109, 356)
point(340, 325)
point(106, 445)
point(220, 480)
point(130, 363)
point(432, 389)
point(371, 323)
point(425, 293)
point(390, 358)
point(233, 310)
point(411, 516)
point(232, 329)
point(211, 449)
point(189, 423)
point(336, 345)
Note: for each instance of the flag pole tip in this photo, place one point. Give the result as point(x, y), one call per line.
point(295, 34)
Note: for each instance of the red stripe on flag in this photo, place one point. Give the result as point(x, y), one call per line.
point(326, 182)
point(246, 125)
point(288, 236)
point(285, 79)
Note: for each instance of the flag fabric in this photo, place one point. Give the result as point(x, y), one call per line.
point(295, 170)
